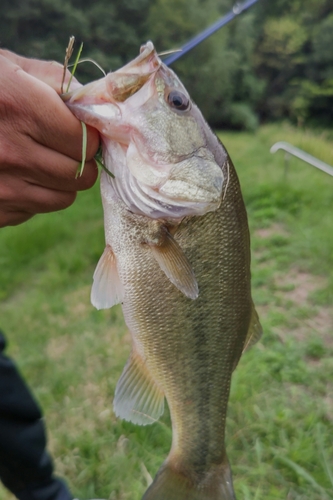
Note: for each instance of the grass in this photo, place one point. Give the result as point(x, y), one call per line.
point(280, 423)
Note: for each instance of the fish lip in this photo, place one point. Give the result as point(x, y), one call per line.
point(94, 93)
point(147, 62)
point(143, 66)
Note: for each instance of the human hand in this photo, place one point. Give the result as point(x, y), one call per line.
point(40, 141)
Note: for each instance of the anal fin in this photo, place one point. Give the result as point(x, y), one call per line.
point(253, 334)
point(174, 263)
point(107, 289)
point(137, 398)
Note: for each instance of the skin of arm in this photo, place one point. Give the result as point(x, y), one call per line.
point(40, 141)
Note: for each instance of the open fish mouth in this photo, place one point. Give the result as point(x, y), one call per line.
point(121, 84)
point(131, 77)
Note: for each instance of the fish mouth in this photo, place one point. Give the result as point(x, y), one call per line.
point(131, 77)
point(119, 85)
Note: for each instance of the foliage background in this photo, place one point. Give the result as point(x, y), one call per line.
point(274, 61)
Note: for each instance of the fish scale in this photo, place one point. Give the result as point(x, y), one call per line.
point(177, 258)
point(179, 338)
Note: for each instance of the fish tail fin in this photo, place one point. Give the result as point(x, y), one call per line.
point(170, 484)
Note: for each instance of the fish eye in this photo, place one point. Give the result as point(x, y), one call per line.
point(178, 100)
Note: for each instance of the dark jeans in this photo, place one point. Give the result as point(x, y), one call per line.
point(25, 466)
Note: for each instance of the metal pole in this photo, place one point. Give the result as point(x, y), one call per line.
point(302, 155)
point(236, 10)
point(286, 164)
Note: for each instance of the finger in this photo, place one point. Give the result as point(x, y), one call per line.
point(62, 131)
point(20, 197)
point(31, 162)
point(54, 125)
point(49, 72)
point(42, 200)
point(48, 120)
point(56, 171)
point(13, 218)
point(39, 165)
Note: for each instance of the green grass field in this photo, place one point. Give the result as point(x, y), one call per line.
point(280, 424)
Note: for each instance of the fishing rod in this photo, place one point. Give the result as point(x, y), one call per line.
point(237, 9)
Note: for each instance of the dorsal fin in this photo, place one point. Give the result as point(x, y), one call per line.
point(175, 265)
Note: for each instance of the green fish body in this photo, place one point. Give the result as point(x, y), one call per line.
point(177, 258)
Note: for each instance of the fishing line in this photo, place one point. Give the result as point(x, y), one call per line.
point(237, 9)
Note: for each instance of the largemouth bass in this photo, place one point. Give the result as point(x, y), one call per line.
point(177, 258)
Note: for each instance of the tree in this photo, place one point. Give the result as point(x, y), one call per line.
point(111, 32)
point(274, 61)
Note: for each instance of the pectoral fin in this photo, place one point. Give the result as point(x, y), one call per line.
point(176, 266)
point(137, 398)
point(107, 289)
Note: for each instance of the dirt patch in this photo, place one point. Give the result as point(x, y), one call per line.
point(57, 347)
point(273, 230)
point(319, 325)
point(298, 285)
point(79, 301)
